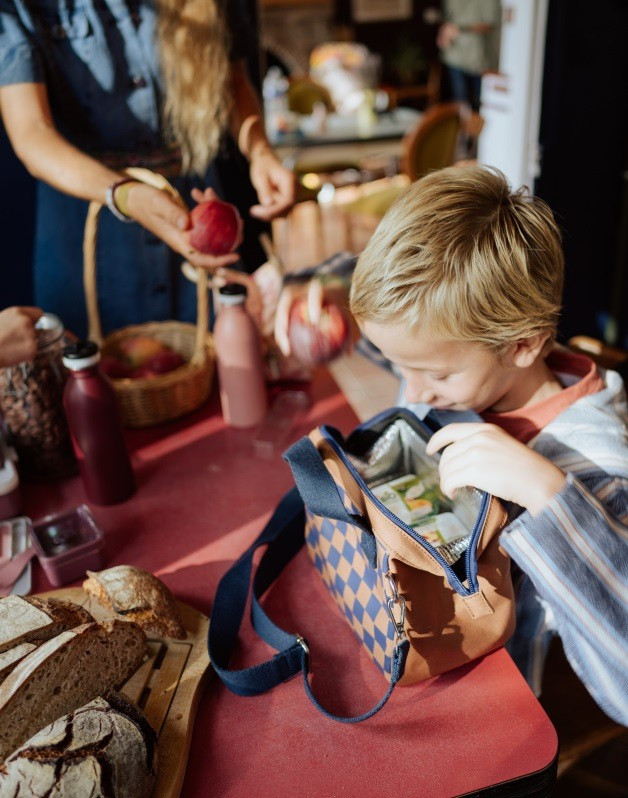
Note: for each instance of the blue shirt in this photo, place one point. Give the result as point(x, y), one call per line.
point(99, 62)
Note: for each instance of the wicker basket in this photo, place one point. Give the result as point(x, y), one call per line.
point(147, 401)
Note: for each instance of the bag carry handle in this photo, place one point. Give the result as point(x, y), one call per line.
point(320, 493)
point(284, 536)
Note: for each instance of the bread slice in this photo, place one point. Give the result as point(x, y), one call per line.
point(138, 596)
point(31, 619)
point(106, 747)
point(64, 673)
point(10, 658)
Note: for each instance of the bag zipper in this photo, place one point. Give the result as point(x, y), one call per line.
point(452, 578)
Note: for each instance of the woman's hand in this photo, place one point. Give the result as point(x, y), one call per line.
point(447, 33)
point(485, 457)
point(275, 185)
point(318, 291)
point(18, 340)
point(315, 298)
point(160, 213)
point(253, 294)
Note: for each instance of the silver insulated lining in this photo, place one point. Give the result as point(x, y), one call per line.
point(400, 450)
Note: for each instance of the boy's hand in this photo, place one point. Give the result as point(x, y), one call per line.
point(483, 456)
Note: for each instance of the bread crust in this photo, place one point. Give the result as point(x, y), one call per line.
point(64, 673)
point(27, 619)
point(138, 596)
point(106, 747)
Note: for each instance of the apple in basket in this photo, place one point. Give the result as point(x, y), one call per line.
point(114, 367)
point(313, 344)
point(164, 361)
point(137, 350)
point(216, 227)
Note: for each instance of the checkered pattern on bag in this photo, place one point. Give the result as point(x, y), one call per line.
point(334, 548)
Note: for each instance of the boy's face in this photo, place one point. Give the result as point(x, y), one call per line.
point(452, 375)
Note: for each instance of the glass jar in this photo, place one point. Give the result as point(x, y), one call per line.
point(31, 401)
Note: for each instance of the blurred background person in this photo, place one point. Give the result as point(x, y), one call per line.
point(468, 39)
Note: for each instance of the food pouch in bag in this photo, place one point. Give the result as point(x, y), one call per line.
point(423, 506)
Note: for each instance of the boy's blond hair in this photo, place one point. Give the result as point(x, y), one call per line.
point(462, 254)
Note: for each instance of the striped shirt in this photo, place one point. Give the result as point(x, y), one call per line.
point(575, 552)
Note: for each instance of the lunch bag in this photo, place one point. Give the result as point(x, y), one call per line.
point(419, 609)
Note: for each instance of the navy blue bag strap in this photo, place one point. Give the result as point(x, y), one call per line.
point(316, 485)
point(284, 536)
point(320, 494)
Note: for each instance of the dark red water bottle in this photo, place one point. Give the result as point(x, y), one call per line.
point(92, 412)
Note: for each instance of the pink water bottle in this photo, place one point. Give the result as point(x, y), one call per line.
point(92, 412)
point(239, 360)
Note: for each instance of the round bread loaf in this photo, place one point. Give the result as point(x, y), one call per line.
point(105, 748)
point(138, 596)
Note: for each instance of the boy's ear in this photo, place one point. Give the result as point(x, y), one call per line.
point(525, 352)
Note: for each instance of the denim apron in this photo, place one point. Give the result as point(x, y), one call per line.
point(99, 62)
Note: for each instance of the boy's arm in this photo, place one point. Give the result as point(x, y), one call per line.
point(573, 544)
point(576, 553)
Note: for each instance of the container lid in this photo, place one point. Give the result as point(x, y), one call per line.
point(48, 329)
point(232, 293)
point(80, 355)
point(66, 536)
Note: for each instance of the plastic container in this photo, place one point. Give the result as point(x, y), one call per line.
point(275, 94)
point(15, 538)
point(68, 544)
point(287, 408)
point(31, 401)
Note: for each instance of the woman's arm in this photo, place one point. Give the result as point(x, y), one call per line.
point(48, 156)
point(275, 185)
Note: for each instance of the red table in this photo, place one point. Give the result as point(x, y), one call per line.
point(202, 498)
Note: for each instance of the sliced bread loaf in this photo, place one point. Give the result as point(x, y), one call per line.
point(30, 619)
point(139, 596)
point(106, 748)
point(10, 658)
point(64, 673)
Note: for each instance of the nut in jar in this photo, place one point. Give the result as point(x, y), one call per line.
point(31, 403)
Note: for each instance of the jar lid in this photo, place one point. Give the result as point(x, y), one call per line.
point(232, 293)
point(81, 355)
point(48, 329)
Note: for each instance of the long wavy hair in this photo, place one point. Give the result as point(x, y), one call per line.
point(193, 44)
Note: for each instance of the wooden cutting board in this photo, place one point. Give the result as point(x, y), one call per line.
point(167, 686)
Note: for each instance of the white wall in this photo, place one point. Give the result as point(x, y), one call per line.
point(511, 99)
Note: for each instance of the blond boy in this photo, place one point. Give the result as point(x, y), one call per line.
point(460, 287)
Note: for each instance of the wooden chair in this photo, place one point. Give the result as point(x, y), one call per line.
point(609, 357)
point(433, 142)
point(428, 92)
